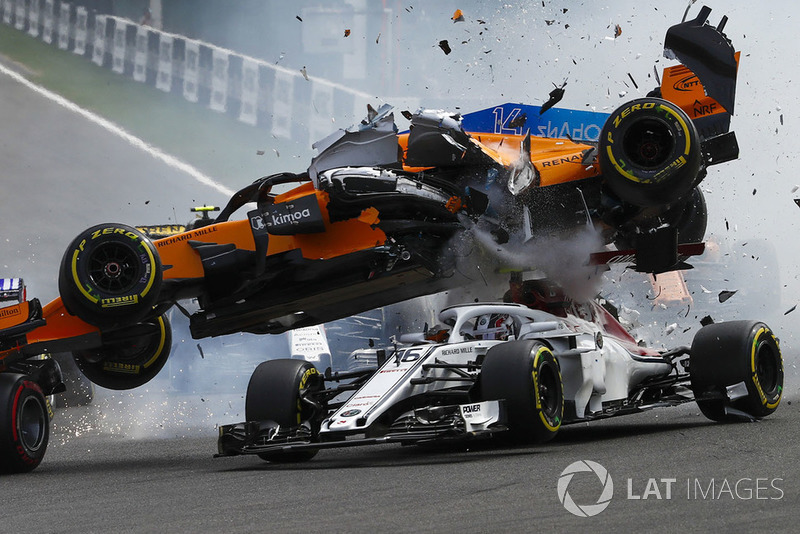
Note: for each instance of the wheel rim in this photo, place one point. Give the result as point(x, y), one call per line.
point(648, 143)
point(31, 424)
point(113, 268)
point(549, 396)
point(767, 367)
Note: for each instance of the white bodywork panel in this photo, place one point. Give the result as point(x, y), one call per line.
point(596, 368)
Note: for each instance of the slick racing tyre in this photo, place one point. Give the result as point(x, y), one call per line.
point(525, 374)
point(24, 424)
point(110, 275)
point(690, 217)
point(650, 153)
point(129, 358)
point(282, 391)
point(736, 367)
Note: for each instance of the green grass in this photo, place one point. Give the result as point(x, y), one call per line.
point(215, 143)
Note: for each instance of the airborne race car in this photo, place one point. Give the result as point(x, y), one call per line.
point(505, 368)
point(378, 218)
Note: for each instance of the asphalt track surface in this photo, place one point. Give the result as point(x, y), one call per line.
point(115, 468)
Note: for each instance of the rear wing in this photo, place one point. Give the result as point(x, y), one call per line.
point(704, 86)
point(18, 318)
point(12, 289)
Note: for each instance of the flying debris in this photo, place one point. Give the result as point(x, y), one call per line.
point(519, 121)
point(636, 85)
point(617, 30)
point(458, 16)
point(707, 320)
point(555, 97)
point(725, 295)
point(259, 152)
point(378, 38)
point(790, 310)
point(304, 73)
point(445, 46)
point(797, 201)
point(347, 33)
point(298, 18)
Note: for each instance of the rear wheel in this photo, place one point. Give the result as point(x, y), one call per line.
point(525, 374)
point(24, 424)
point(131, 359)
point(282, 391)
point(110, 275)
point(650, 152)
point(736, 366)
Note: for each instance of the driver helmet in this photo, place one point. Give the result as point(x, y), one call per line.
point(494, 326)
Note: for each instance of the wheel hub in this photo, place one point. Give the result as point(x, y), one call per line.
point(31, 423)
point(112, 270)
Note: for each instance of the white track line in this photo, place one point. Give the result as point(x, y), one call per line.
point(119, 132)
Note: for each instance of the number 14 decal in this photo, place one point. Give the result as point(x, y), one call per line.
point(502, 123)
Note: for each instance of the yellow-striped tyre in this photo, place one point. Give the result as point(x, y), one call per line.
point(526, 375)
point(282, 391)
point(736, 367)
point(110, 275)
point(649, 153)
point(130, 357)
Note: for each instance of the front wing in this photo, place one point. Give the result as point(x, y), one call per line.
point(425, 425)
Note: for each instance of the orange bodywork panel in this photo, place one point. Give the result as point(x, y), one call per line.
point(339, 238)
point(558, 161)
point(60, 324)
point(14, 315)
point(682, 87)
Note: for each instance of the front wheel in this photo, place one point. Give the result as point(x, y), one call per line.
point(282, 391)
point(24, 424)
point(526, 375)
point(736, 366)
point(110, 275)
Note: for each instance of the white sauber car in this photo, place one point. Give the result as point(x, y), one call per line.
point(505, 368)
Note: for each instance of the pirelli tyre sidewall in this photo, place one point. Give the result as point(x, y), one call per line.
point(24, 423)
point(110, 274)
point(731, 355)
point(526, 375)
point(132, 361)
point(650, 153)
